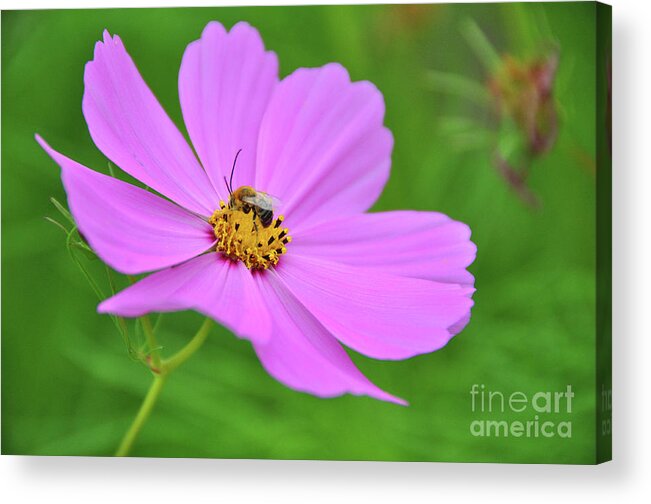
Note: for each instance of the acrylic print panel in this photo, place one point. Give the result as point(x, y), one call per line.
point(319, 232)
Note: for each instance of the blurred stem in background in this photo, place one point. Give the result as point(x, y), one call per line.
point(518, 92)
point(150, 354)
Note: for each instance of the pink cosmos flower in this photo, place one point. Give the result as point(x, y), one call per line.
point(389, 285)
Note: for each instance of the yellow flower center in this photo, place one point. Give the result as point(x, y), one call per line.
point(242, 237)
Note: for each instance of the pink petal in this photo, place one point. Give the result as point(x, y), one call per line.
point(378, 314)
point(303, 355)
point(425, 245)
point(323, 148)
point(131, 128)
point(131, 229)
point(219, 288)
point(225, 82)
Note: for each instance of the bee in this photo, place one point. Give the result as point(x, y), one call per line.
point(247, 199)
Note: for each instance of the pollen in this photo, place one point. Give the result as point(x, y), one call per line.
point(242, 237)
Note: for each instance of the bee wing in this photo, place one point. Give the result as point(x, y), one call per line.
point(262, 200)
point(276, 202)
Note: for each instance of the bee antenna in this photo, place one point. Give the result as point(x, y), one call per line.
point(229, 185)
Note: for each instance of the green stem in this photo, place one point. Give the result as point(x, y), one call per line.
point(479, 43)
point(186, 352)
point(161, 370)
point(142, 416)
point(154, 350)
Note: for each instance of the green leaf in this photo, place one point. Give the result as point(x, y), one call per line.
point(57, 224)
point(63, 210)
point(459, 85)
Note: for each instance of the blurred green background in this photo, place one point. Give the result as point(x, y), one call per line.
point(68, 384)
